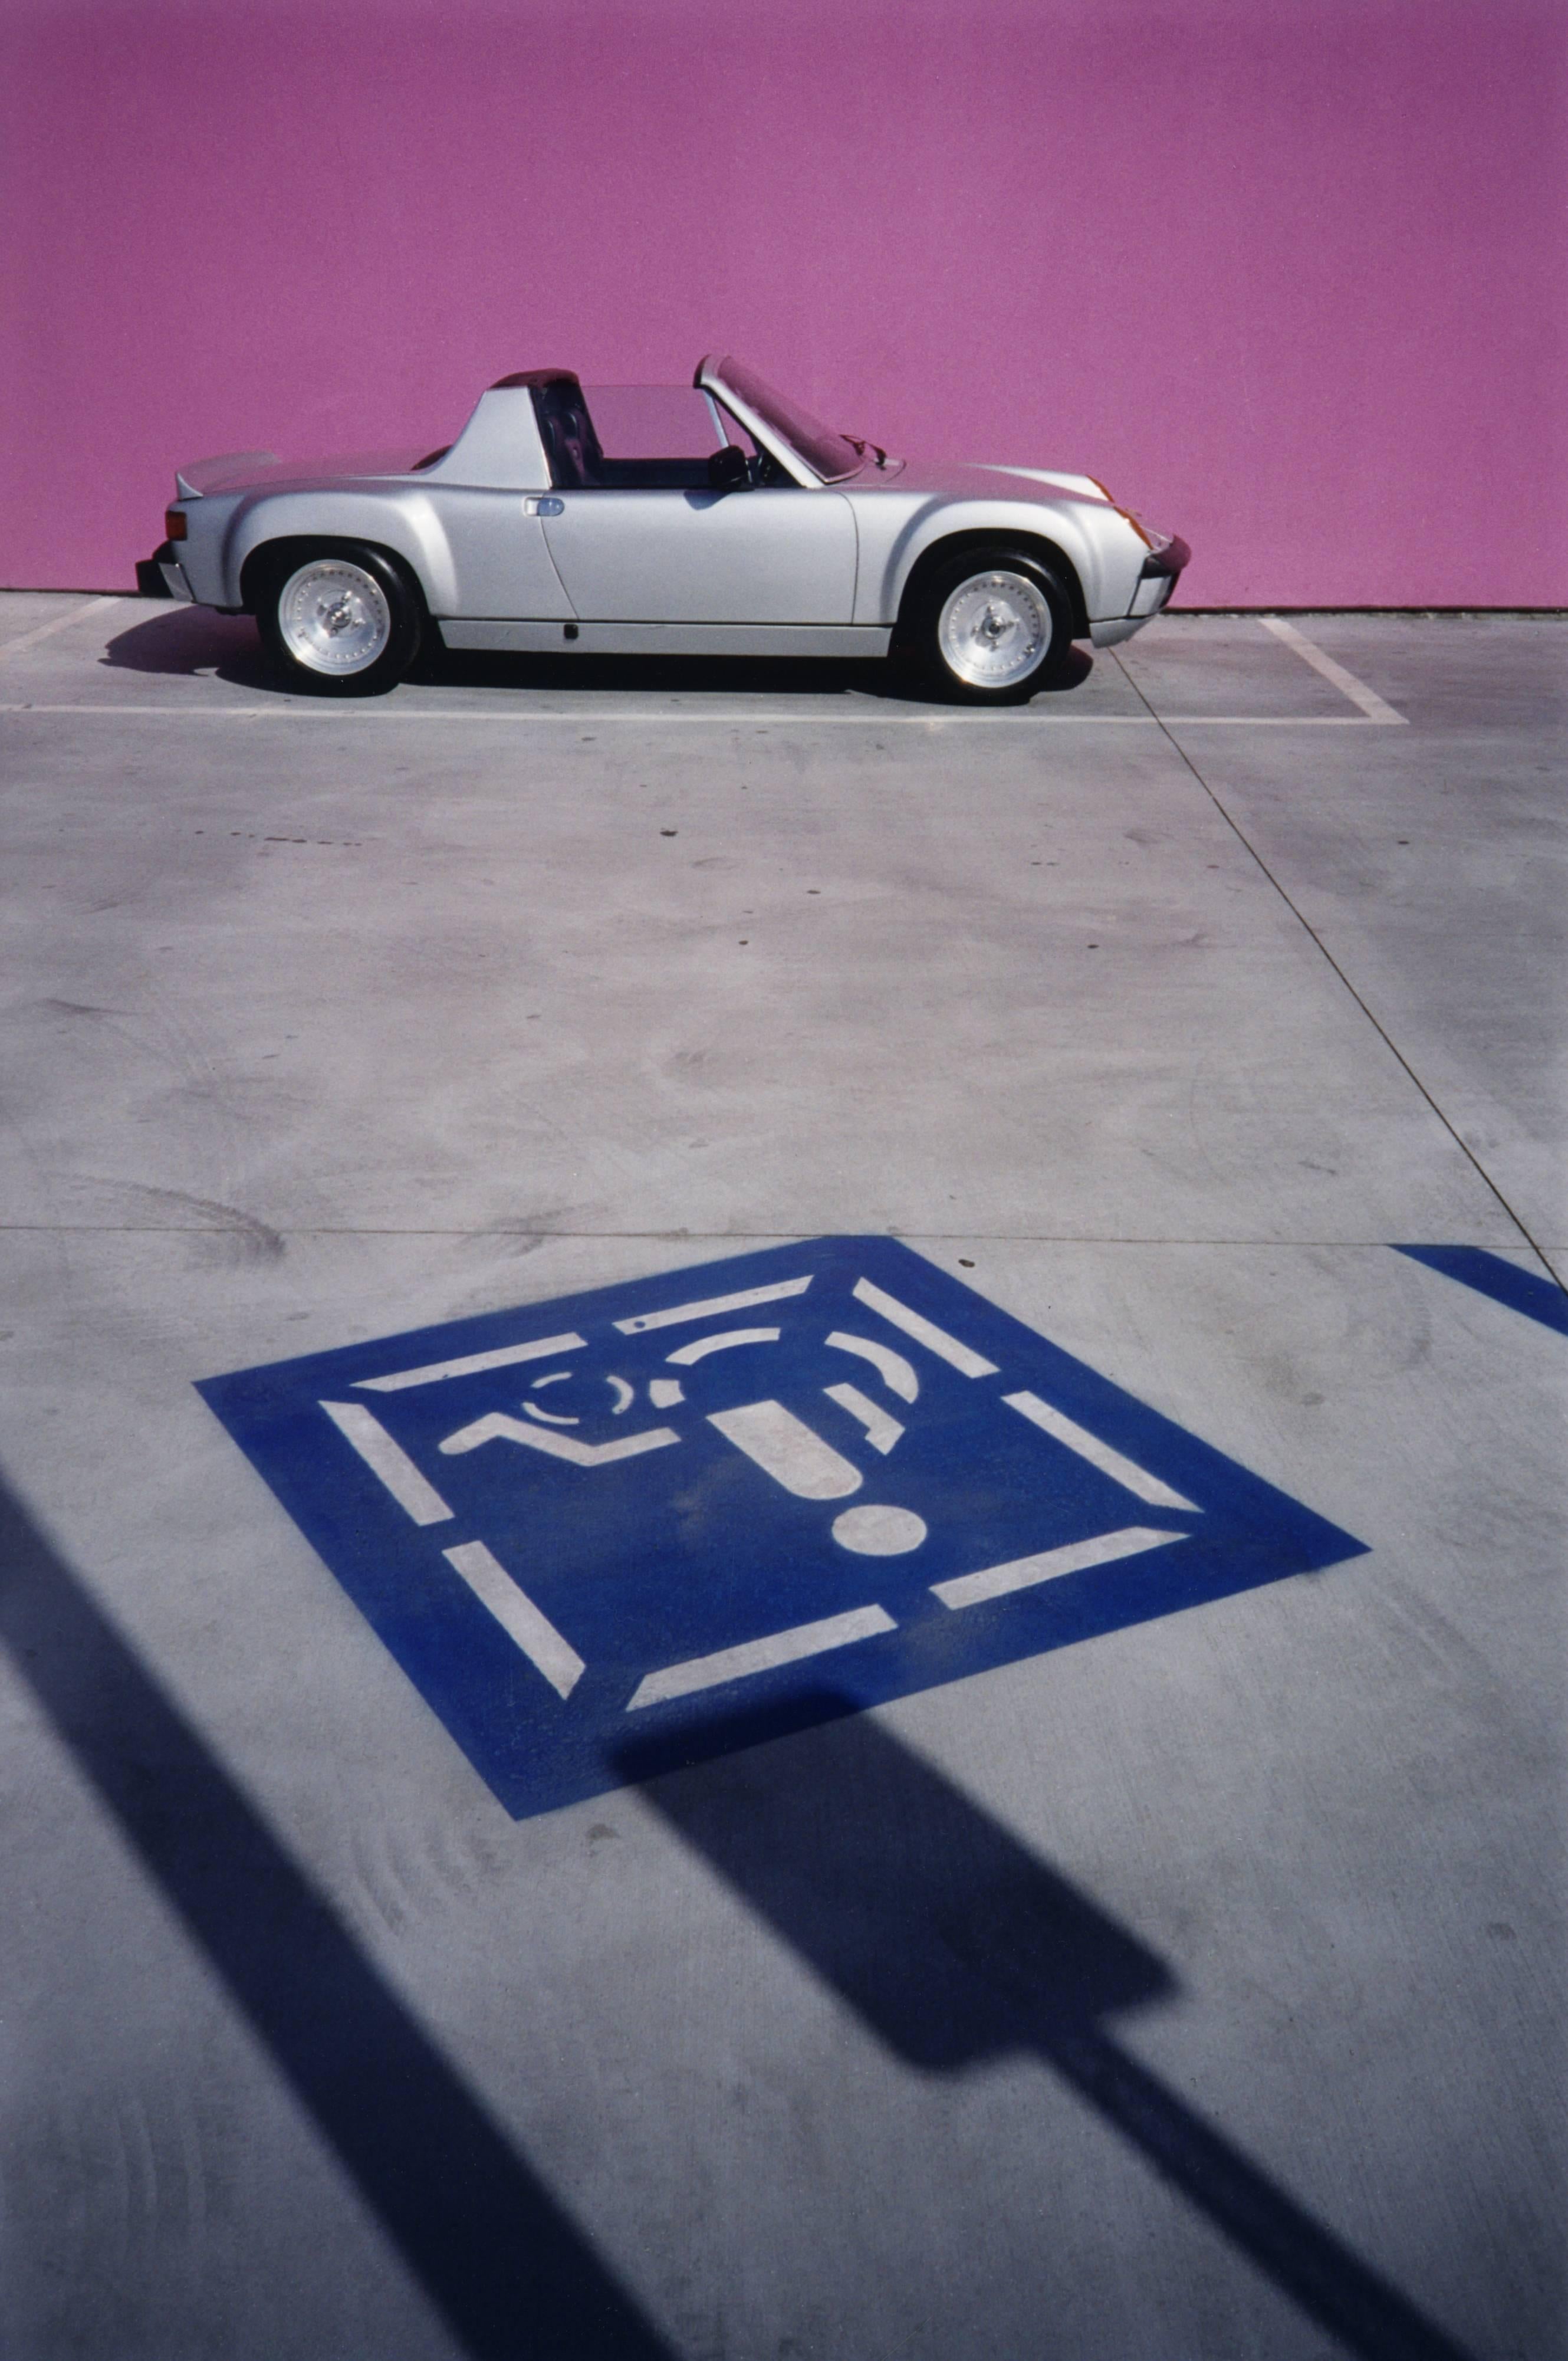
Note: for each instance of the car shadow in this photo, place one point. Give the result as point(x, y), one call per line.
point(194, 641)
point(178, 640)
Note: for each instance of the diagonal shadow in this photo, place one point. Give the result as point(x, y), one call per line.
point(955, 1945)
point(510, 2273)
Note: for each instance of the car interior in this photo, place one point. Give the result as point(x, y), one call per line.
point(578, 461)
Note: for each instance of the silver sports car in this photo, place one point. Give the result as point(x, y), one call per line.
point(714, 519)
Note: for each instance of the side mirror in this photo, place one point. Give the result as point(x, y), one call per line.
point(727, 469)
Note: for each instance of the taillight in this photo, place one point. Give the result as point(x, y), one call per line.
point(174, 524)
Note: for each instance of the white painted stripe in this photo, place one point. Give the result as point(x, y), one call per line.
point(761, 1655)
point(498, 1428)
point(387, 1460)
point(714, 1303)
point(883, 1430)
point(59, 623)
point(541, 1348)
point(1022, 1572)
point(897, 1374)
point(547, 1649)
point(1376, 708)
point(329, 709)
point(1270, 720)
point(924, 1332)
point(788, 1450)
point(701, 1347)
point(1120, 1470)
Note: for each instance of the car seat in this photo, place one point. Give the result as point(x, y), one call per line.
point(571, 445)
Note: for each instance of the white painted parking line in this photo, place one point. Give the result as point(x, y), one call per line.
point(1268, 721)
point(1376, 708)
point(1022, 1572)
point(329, 709)
point(540, 1349)
point(549, 1651)
point(1121, 1471)
point(761, 1656)
point(57, 623)
point(333, 708)
point(387, 1460)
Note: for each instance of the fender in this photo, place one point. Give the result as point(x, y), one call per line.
point(1029, 539)
point(1050, 527)
point(405, 522)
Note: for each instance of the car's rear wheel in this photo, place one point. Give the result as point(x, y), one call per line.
point(340, 623)
point(993, 627)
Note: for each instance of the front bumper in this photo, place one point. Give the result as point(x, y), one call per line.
point(1158, 578)
point(161, 575)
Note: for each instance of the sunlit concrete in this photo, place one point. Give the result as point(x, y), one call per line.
point(1158, 1011)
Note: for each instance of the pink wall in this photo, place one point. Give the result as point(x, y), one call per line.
point(1287, 273)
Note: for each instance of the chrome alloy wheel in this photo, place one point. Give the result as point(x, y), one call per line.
point(334, 618)
point(994, 630)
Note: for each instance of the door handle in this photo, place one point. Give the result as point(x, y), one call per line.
point(541, 505)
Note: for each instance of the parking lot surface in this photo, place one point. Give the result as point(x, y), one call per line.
point(1143, 1944)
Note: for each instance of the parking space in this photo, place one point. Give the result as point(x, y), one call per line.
point(1095, 1958)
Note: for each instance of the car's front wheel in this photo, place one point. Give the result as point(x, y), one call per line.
point(995, 627)
point(340, 623)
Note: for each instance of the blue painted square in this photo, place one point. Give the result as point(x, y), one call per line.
point(623, 1517)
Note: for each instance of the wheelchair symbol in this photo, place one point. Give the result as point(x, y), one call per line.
point(774, 1437)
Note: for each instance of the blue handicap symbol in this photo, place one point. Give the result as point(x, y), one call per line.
point(742, 1498)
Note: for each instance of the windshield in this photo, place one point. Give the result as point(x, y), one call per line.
point(831, 455)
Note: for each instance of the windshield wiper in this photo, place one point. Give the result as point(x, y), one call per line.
point(860, 445)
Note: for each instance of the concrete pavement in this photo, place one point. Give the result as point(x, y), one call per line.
point(1160, 1011)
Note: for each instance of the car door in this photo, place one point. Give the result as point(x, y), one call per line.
point(500, 561)
point(760, 554)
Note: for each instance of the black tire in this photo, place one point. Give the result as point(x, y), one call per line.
point(1024, 597)
point(341, 619)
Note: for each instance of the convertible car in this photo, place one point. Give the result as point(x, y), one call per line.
point(717, 519)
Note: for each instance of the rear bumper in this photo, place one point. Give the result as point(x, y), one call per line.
point(161, 575)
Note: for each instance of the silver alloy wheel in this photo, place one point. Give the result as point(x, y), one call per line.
point(334, 618)
point(994, 630)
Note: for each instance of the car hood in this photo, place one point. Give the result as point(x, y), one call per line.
point(976, 481)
